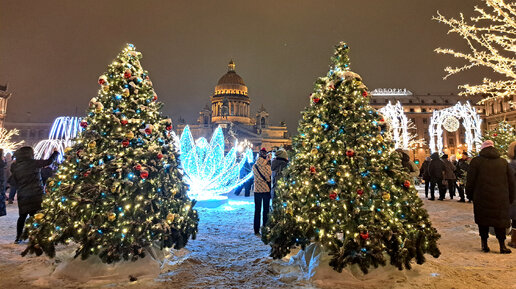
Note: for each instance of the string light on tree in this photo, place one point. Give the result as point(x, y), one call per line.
point(344, 187)
point(490, 37)
point(401, 128)
point(115, 196)
point(5, 140)
point(502, 136)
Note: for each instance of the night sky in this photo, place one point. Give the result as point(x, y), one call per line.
point(52, 52)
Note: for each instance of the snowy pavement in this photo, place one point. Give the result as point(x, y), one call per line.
point(226, 254)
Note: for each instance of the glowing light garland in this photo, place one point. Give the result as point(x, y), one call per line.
point(207, 171)
point(492, 44)
point(399, 125)
point(63, 132)
point(470, 120)
point(5, 140)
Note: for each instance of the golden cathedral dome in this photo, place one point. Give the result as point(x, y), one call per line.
point(231, 83)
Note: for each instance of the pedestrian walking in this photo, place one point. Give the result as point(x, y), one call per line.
point(490, 183)
point(449, 177)
point(436, 171)
point(262, 188)
point(3, 209)
point(27, 176)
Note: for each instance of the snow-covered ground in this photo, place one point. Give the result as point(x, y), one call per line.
point(226, 254)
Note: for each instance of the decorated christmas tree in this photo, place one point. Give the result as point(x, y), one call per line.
point(345, 187)
point(502, 136)
point(119, 190)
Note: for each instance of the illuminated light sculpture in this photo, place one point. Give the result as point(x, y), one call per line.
point(399, 124)
point(448, 119)
point(6, 144)
point(209, 174)
point(490, 37)
point(64, 130)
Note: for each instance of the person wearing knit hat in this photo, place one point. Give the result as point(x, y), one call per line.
point(262, 188)
point(486, 144)
point(511, 153)
point(490, 183)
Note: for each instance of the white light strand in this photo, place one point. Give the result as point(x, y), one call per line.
point(399, 125)
point(470, 120)
point(491, 43)
point(63, 132)
point(207, 171)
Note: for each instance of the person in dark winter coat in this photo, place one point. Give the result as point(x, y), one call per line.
point(247, 185)
point(26, 173)
point(460, 171)
point(262, 188)
point(425, 175)
point(436, 171)
point(278, 164)
point(490, 183)
point(449, 177)
point(3, 209)
point(511, 153)
point(10, 181)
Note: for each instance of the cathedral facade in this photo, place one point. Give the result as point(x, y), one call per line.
point(231, 109)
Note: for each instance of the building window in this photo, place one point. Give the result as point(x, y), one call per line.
point(262, 122)
point(451, 142)
point(423, 110)
point(374, 100)
point(424, 120)
point(411, 110)
point(445, 101)
point(410, 101)
point(386, 101)
point(422, 101)
point(501, 106)
point(434, 101)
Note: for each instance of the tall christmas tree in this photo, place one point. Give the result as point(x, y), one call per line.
point(345, 187)
point(119, 189)
point(502, 136)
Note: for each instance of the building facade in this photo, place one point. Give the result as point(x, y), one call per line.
point(499, 110)
point(419, 109)
point(4, 98)
point(230, 108)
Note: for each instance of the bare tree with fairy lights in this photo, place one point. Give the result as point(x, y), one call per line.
point(491, 39)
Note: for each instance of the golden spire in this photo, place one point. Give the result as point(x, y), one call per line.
point(231, 66)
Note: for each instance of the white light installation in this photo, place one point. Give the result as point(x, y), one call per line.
point(399, 124)
point(207, 171)
point(391, 92)
point(444, 118)
point(63, 132)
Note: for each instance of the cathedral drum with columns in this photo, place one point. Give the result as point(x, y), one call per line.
point(231, 109)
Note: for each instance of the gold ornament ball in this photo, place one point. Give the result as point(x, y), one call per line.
point(113, 189)
point(379, 138)
point(314, 151)
point(111, 216)
point(125, 92)
point(105, 88)
point(92, 144)
point(386, 196)
point(38, 216)
point(129, 135)
point(67, 149)
point(339, 173)
point(170, 217)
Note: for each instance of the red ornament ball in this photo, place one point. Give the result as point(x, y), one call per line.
point(127, 73)
point(148, 130)
point(333, 195)
point(86, 174)
point(364, 236)
point(316, 99)
point(312, 169)
point(169, 127)
point(102, 81)
point(138, 167)
point(159, 156)
point(124, 121)
point(144, 174)
point(155, 97)
point(350, 153)
point(495, 134)
point(84, 124)
point(360, 192)
point(406, 184)
point(125, 143)
point(364, 94)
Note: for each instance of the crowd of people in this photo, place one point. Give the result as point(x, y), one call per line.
point(487, 180)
